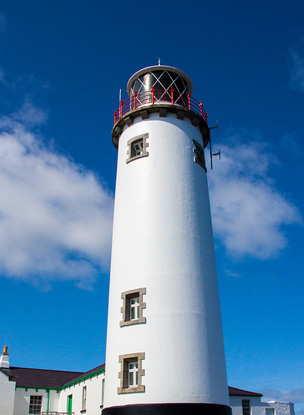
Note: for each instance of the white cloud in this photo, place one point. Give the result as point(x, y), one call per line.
point(29, 115)
point(295, 395)
point(232, 273)
point(248, 212)
point(55, 217)
point(297, 70)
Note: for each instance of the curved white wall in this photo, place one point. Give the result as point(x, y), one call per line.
point(162, 240)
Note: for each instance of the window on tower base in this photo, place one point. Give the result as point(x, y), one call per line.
point(131, 373)
point(132, 307)
point(137, 147)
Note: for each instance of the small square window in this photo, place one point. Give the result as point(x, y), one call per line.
point(199, 157)
point(131, 373)
point(137, 147)
point(35, 404)
point(133, 306)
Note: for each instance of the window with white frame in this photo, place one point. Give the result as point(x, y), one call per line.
point(84, 398)
point(199, 156)
point(132, 307)
point(270, 411)
point(246, 406)
point(137, 147)
point(35, 404)
point(131, 373)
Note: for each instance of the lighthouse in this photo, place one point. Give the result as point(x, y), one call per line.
point(165, 349)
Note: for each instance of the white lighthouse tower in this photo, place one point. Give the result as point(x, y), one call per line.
point(165, 352)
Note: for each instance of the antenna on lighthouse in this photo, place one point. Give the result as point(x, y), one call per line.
point(119, 96)
point(158, 61)
point(210, 145)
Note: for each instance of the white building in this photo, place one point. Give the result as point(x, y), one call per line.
point(25, 391)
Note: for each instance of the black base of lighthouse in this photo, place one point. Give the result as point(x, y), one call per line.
point(169, 409)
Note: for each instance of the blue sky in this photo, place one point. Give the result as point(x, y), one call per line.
point(62, 64)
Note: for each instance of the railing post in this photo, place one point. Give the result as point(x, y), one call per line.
point(121, 109)
point(206, 116)
point(172, 93)
point(134, 100)
point(115, 117)
point(189, 101)
point(152, 92)
point(201, 108)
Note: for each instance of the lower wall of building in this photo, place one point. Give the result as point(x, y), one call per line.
point(282, 408)
point(260, 408)
point(7, 395)
point(257, 407)
point(94, 393)
point(16, 401)
point(22, 400)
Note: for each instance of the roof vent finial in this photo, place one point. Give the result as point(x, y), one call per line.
point(158, 61)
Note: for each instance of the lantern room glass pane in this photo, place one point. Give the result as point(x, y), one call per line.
point(162, 81)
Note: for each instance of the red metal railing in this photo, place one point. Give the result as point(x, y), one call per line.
point(158, 96)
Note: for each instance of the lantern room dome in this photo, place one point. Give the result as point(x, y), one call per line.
point(161, 78)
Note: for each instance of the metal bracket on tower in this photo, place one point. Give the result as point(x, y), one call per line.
point(214, 154)
point(219, 150)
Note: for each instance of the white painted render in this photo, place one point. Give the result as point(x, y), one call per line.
point(94, 387)
point(7, 395)
point(162, 240)
point(259, 408)
point(22, 400)
point(4, 361)
point(54, 400)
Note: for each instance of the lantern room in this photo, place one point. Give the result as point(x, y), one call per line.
point(160, 89)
